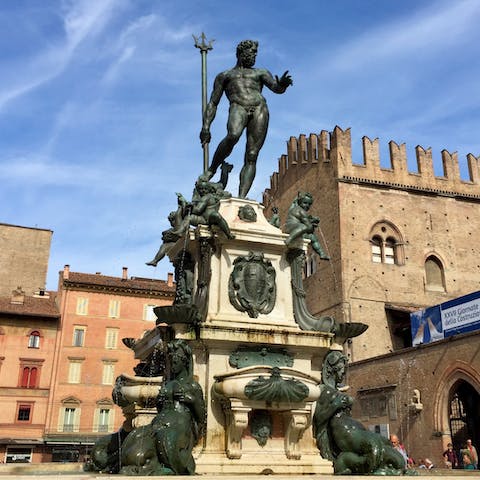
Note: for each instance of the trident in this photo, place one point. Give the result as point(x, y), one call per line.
point(201, 43)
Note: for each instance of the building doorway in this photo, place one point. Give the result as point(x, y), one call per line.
point(464, 414)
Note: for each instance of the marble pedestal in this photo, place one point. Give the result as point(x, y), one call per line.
point(228, 446)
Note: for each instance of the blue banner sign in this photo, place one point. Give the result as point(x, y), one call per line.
point(441, 321)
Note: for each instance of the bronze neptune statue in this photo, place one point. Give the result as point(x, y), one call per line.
point(242, 85)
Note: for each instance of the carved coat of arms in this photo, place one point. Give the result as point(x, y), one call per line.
point(252, 287)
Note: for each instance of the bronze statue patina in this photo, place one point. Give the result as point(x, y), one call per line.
point(352, 448)
point(169, 237)
point(184, 278)
point(251, 286)
point(204, 211)
point(247, 213)
point(302, 225)
point(242, 85)
point(275, 218)
point(261, 426)
point(105, 455)
point(164, 447)
point(276, 388)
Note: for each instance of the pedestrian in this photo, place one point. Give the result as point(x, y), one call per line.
point(399, 447)
point(467, 462)
point(473, 453)
point(450, 457)
point(428, 464)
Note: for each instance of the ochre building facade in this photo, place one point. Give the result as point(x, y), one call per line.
point(28, 332)
point(96, 312)
point(60, 352)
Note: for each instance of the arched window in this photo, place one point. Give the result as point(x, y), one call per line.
point(376, 243)
point(386, 244)
point(389, 251)
point(434, 274)
point(34, 340)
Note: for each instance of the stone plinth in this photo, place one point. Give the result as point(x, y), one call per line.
point(250, 357)
point(228, 325)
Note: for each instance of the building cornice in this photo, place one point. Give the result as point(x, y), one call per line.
point(409, 188)
point(132, 291)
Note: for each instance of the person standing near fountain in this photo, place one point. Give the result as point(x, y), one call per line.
point(472, 451)
point(399, 447)
point(248, 110)
point(451, 459)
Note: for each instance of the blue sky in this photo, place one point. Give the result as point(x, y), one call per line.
point(100, 103)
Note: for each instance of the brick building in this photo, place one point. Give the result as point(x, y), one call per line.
point(399, 241)
point(429, 395)
point(24, 253)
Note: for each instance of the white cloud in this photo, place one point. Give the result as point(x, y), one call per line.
point(63, 119)
point(427, 31)
point(32, 77)
point(126, 45)
point(80, 19)
point(146, 46)
point(85, 17)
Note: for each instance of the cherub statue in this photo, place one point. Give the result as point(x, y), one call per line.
point(170, 236)
point(300, 224)
point(204, 208)
point(275, 219)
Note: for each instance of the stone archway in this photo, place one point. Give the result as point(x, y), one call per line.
point(464, 413)
point(457, 405)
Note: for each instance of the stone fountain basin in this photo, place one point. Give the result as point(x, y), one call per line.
point(140, 389)
point(232, 385)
